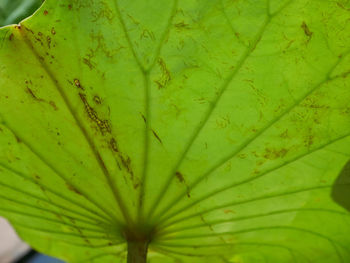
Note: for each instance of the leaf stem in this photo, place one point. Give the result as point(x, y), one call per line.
point(137, 251)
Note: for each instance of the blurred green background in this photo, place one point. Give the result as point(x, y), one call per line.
point(13, 11)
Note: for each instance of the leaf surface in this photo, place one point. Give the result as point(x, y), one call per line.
point(218, 128)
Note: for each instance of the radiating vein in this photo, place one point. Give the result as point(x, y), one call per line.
point(255, 136)
point(47, 219)
point(249, 217)
point(61, 208)
point(79, 234)
point(209, 112)
point(80, 125)
point(290, 250)
point(253, 178)
point(94, 213)
point(131, 47)
point(87, 243)
point(255, 199)
point(331, 241)
point(56, 171)
point(148, 115)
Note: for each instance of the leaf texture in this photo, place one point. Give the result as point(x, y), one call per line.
point(220, 129)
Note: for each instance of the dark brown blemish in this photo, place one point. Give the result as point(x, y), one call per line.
point(157, 137)
point(53, 31)
point(18, 139)
point(78, 85)
point(39, 40)
point(32, 94)
point(206, 223)
point(29, 30)
point(113, 144)
point(306, 29)
point(88, 63)
point(127, 164)
point(97, 99)
point(53, 104)
point(144, 118)
point(102, 124)
point(180, 177)
point(181, 25)
point(70, 7)
point(11, 37)
point(73, 189)
point(166, 77)
point(46, 12)
point(48, 40)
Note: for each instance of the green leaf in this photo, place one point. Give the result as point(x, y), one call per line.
point(211, 131)
point(13, 11)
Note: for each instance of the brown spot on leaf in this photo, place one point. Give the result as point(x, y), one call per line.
point(53, 31)
point(113, 144)
point(46, 12)
point(306, 29)
point(102, 124)
point(53, 105)
point(48, 40)
point(144, 118)
point(157, 137)
point(97, 99)
point(32, 94)
point(89, 63)
point(181, 25)
point(18, 139)
point(273, 154)
point(180, 177)
point(73, 189)
point(77, 84)
point(166, 77)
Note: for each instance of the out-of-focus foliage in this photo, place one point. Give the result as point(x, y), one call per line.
point(13, 11)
